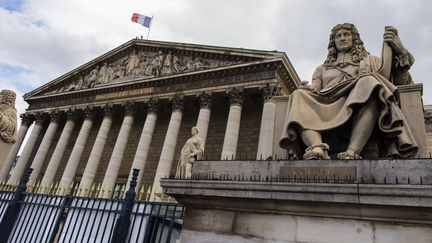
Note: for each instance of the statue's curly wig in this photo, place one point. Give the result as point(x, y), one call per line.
point(8, 97)
point(357, 51)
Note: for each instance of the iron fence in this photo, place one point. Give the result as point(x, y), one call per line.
point(37, 217)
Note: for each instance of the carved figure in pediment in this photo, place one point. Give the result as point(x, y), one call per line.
point(190, 64)
point(103, 74)
point(120, 71)
point(110, 72)
point(92, 78)
point(155, 67)
point(167, 65)
point(132, 63)
point(176, 64)
point(76, 85)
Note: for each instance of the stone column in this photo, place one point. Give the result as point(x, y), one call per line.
point(229, 148)
point(116, 159)
point(21, 164)
point(77, 151)
point(143, 147)
point(44, 147)
point(26, 121)
point(265, 142)
point(96, 152)
point(204, 116)
point(170, 142)
point(59, 151)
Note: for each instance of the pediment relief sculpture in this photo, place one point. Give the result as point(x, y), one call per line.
point(140, 64)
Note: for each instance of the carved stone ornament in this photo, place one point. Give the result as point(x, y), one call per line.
point(108, 110)
point(138, 64)
point(88, 113)
point(39, 117)
point(205, 100)
point(271, 90)
point(152, 106)
point(236, 96)
point(8, 116)
point(26, 119)
point(129, 108)
point(177, 103)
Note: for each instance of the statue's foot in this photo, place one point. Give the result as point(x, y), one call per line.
point(349, 154)
point(318, 151)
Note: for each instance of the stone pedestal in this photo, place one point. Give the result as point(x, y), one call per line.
point(231, 205)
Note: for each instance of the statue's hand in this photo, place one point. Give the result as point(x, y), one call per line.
point(391, 37)
point(306, 85)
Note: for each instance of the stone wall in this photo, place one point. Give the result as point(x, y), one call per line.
point(428, 123)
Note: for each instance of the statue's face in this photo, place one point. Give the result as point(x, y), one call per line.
point(194, 131)
point(343, 40)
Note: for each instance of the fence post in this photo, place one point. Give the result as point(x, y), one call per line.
point(122, 224)
point(11, 214)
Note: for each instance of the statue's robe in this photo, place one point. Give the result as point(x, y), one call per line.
point(339, 90)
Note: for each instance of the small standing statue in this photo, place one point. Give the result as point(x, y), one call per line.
point(191, 151)
point(8, 122)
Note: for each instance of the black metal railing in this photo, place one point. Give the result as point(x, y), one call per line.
point(29, 216)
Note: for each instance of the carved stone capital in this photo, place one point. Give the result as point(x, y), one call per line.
point(55, 116)
point(270, 90)
point(177, 103)
point(129, 108)
point(205, 100)
point(71, 115)
point(236, 96)
point(88, 113)
point(26, 119)
point(108, 110)
point(39, 117)
point(152, 106)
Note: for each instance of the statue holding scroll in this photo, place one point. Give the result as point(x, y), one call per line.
point(192, 150)
point(353, 94)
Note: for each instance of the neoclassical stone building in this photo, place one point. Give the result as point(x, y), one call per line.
point(134, 107)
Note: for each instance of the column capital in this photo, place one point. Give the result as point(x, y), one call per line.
point(71, 115)
point(88, 112)
point(205, 100)
point(129, 107)
point(27, 119)
point(152, 106)
point(54, 116)
point(39, 117)
point(177, 103)
point(235, 96)
point(270, 90)
point(108, 109)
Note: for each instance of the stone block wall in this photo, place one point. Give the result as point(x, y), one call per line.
point(428, 123)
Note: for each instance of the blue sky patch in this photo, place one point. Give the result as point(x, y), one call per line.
point(13, 74)
point(12, 5)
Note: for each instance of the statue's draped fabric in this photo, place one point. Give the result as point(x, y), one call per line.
point(8, 122)
point(193, 145)
point(339, 89)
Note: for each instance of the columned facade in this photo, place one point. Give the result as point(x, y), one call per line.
point(114, 164)
point(93, 145)
point(77, 151)
point(267, 128)
point(26, 121)
point(170, 142)
point(21, 164)
point(96, 152)
point(229, 148)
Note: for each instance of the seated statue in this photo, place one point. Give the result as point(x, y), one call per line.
point(349, 97)
point(191, 151)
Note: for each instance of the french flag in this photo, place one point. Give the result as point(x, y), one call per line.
point(141, 19)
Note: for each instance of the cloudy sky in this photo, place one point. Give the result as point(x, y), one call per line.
point(43, 39)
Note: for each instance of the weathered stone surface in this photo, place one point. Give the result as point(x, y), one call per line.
point(408, 171)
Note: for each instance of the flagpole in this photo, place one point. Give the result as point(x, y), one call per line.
point(148, 32)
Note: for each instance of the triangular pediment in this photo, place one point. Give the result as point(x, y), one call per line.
point(142, 59)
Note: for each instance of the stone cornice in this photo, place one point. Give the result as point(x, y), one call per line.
point(226, 74)
point(180, 48)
